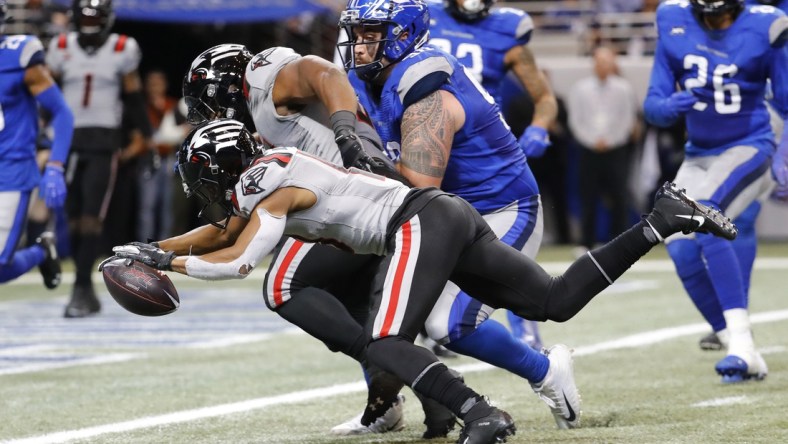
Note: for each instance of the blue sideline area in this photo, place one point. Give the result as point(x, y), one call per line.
point(211, 11)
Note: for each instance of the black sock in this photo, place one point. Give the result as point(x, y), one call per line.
point(596, 270)
point(440, 384)
point(34, 230)
point(84, 258)
point(381, 394)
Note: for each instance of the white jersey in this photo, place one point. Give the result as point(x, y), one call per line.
point(91, 82)
point(308, 130)
point(335, 218)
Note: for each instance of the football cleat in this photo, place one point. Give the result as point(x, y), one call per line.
point(50, 266)
point(735, 369)
point(489, 429)
point(393, 420)
point(674, 211)
point(558, 389)
point(83, 302)
point(712, 342)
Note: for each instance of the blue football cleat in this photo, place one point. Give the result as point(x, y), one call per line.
point(735, 369)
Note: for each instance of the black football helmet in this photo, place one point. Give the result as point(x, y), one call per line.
point(468, 10)
point(213, 87)
point(715, 7)
point(211, 160)
point(93, 20)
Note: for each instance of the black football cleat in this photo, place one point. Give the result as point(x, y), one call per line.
point(710, 342)
point(674, 211)
point(490, 429)
point(50, 267)
point(83, 302)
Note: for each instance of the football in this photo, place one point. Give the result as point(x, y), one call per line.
point(140, 289)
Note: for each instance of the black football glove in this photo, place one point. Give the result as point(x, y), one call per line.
point(147, 254)
point(344, 125)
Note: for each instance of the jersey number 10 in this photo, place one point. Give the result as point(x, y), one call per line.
point(727, 97)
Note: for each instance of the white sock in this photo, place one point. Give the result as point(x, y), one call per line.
point(740, 343)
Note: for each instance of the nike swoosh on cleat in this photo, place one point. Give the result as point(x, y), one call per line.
point(572, 415)
point(699, 219)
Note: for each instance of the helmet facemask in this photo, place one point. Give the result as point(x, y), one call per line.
point(213, 86)
point(716, 7)
point(403, 25)
point(93, 20)
point(468, 10)
point(211, 161)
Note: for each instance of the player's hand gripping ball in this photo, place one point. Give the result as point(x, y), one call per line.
point(139, 288)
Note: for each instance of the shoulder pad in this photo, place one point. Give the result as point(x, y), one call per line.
point(514, 22)
point(778, 32)
point(32, 52)
point(423, 76)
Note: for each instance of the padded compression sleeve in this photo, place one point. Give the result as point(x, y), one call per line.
point(271, 230)
point(62, 122)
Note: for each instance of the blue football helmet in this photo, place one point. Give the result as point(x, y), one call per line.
point(714, 7)
point(395, 18)
point(468, 10)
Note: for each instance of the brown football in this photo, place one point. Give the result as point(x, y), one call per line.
point(140, 289)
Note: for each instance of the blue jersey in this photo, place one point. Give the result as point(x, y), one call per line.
point(482, 44)
point(486, 167)
point(727, 70)
point(18, 112)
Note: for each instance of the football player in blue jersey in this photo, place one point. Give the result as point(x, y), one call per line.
point(490, 43)
point(745, 245)
point(24, 84)
point(445, 130)
point(722, 54)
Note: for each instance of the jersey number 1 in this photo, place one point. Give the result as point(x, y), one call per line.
point(727, 97)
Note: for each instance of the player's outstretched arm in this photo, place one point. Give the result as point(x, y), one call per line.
point(428, 128)
point(261, 234)
point(205, 239)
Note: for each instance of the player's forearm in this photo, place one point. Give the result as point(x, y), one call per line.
point(201, 240)
point(545, 111)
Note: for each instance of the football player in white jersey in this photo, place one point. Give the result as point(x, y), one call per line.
point(97, 71)
point(289, 192)
point(300, 101)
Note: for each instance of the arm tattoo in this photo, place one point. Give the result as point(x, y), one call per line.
point(427, 134)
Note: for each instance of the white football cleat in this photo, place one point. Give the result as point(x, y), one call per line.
point(742, 367)
point(391, 421)
point(558, 389)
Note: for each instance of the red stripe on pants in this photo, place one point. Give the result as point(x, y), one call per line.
point(396, 287)
point(280, 274)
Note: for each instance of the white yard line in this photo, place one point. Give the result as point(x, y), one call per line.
point(637, 340)
point(718, 402)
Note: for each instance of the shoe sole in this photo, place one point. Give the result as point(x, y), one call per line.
point(735, 373)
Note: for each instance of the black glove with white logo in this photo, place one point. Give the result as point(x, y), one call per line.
point(353, 155)
point(147, 254)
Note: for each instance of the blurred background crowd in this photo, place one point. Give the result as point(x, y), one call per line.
point(148, 202)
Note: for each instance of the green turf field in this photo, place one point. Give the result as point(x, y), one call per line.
point(222, 369)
